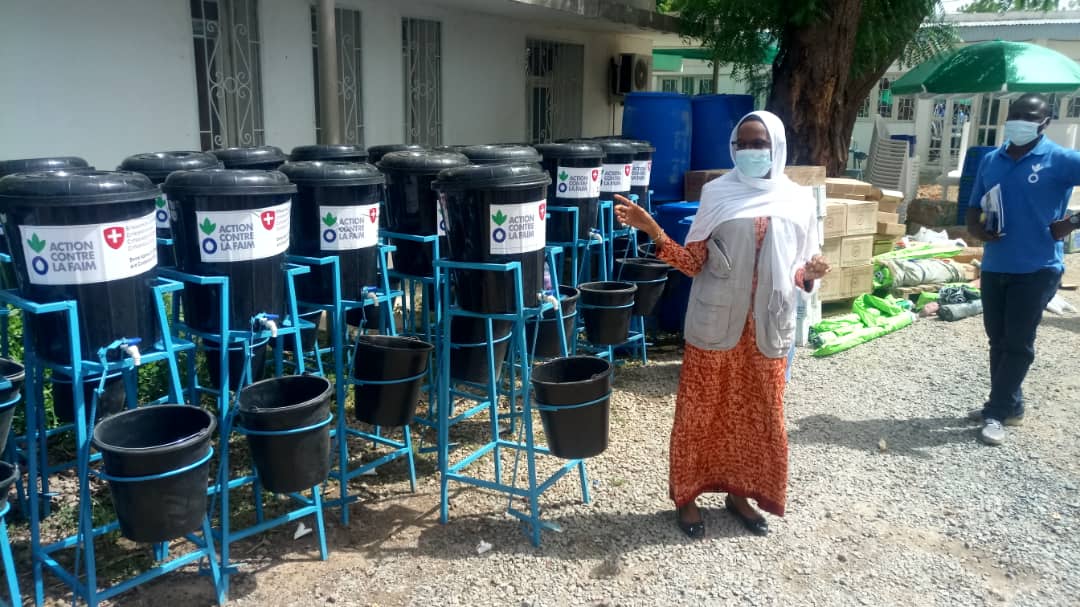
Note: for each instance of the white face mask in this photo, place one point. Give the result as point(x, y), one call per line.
point(1021, 132)
point(753, 163)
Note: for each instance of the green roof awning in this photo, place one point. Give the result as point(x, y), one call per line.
point(666, 63)
point(686, 52)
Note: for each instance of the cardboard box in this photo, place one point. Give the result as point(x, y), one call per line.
point(838, 187)
point(856, 251)
point(831, 251)
point(888, 206)
point(887, 217)
point(693, 181)
point(832, 286)
point(858, 280)
point(835, 219)
point(895, 196)
point(861, 217)
point(883, 245)
point(890, 229)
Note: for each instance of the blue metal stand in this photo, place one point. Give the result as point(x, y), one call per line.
point(9, 563)
point(261, 327)
point(582, 250)
point(524, 444)
point(85, 584)
point(343, 354)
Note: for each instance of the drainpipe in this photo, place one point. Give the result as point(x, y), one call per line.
point(715, 76)
point(329, 109)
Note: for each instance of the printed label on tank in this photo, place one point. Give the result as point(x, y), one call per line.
point(90, 253)
point(616, 178)
point(577, 182)
point(518, 228)
point(441, 215)
point(349, 228)
point(228, 236)
point(161, 212)
point(641, 173)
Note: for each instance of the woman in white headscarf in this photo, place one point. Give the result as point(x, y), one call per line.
point(753, 242)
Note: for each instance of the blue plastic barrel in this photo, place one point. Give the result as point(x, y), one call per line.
point(662, 119)
point(967, 178)
point(714, 118)
point(675, 219)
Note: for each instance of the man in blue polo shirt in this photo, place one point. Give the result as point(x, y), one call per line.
point(1024, 257)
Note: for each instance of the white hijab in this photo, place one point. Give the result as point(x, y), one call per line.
point(739, 196)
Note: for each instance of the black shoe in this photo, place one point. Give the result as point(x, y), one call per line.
point(756, 525)
point(695, 530)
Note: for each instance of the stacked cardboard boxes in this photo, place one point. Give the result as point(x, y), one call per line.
point(889, 227)
point(849, 229)
point(803, 175)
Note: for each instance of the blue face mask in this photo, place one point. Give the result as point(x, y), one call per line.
point(1021, 132)
point(753, 163)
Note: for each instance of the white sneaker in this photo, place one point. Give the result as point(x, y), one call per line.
point(993, 432)
point(976, 415)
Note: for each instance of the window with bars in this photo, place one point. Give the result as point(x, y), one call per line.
point(705, 86)
point(1072, 110)
point(669, 85)
point(905, 109)
point(228, 79)
point(554, 80)
point(349, 74)
point(687, 86)
point(885, 100)
point(864, 110)
point(421, 47)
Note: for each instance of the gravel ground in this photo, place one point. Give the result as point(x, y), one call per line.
point(892, 501)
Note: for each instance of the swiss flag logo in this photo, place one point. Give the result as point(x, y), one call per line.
point(267, 218)
point(595, 174)
point(114, 237)
point(543, 210)
point(373, 214)
point(626, 169)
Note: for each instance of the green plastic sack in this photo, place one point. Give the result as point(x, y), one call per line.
point(922, 251)
point(925, 298)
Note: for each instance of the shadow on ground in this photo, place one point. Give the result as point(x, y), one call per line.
point(903, 437)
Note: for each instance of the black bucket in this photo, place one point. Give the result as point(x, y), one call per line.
point(90, 237)
point(606, 308)
point(385, 359)
point(468, 355)
point(9, 397)
point(641, 172)
point(262, 158)
point(650, 276)
point(341, 152)
point(286, 420)
point(234, 224)
point(112, 401)
point(413, 208)
point(157, 166)
point(547, 339)
point(496, 214)
point(618, 168)
point(9, 473)
point(501, 153)
point(376, 152)
point(575, 170)
point(336, 212)
point(573, 396)
point(236, 362)
point(170, 440)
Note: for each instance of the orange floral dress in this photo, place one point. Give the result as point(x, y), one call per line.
point(729, 433)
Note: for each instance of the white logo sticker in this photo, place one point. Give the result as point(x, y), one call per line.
point(641, 173)
point(349, 228)
point(578, 182)
point(616, 178)
point(90, 253)
point(518, 228)
point(161, 212)
point(227, 236)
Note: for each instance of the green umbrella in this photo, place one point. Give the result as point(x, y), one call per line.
point(992, 67)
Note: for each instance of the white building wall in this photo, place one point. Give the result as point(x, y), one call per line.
point(110, 78)
point(101, 80)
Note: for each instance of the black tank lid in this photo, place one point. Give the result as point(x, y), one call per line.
point(421, 161)
point(227, 182)
point(376, 152)
point(330, 151)
point(500, 153)
point(158, 165)
point(492, 175)
point(33, 165)
point(332, 173)
point(579, 149)
point(78, 187)
point(615, 147)
point(238, 158)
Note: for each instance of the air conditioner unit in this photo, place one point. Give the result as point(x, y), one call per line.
point(632, 73)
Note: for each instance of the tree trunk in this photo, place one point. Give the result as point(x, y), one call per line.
point(811, 88)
